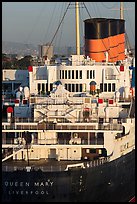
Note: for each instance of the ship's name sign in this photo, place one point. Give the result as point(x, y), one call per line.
point(27, 184)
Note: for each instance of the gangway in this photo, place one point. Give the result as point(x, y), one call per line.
point(9, 156)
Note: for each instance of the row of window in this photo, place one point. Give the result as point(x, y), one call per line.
point(10, 86)
point(90, 74)
point(82, 87)
point(74, 87)
point(110, 87)
point(70, 87)
point(70, 74)
point(76, 74)
point(106, 87)
point(44, 87)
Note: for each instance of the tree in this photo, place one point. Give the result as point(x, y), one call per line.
point(25, 62)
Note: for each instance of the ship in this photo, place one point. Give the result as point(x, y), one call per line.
point(76, 141)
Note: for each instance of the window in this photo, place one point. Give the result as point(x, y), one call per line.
point(90, 74)
point(69, 87)
point(7, 87)
point(93, 151)
point(101, 120)
point(69, 74)
point(43, 87)
point(101, 87)
point(105, 87)
point(76, 74)
point(87, 74)
point(76, 87)
point(80, 86)
point(46, 86)
point(73, 87)
point(80, 74)
point(16, 85)
point(100, 135)
point(39, 87)
point(65, 74)
point(62, 74)
point(72, 74)
point(109, 87)
point(113, 87)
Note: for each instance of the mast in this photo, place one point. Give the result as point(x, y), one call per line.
point(122, 17)
point(121, 10)
point(77, 29)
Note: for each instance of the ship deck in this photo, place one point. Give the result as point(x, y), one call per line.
point(42, 164)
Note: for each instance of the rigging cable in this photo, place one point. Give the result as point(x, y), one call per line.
point(58, 27)
point(87, 10)
point(34, 25)
point(109, 7)
point(50, 22)
point(60, 30)
point(127, 39)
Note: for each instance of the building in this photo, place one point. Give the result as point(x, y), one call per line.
point(46, 50)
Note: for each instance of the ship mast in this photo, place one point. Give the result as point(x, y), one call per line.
point(122, 17)
point(77, 29)
point(121, 10)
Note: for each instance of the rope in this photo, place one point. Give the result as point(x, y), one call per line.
point(58, 28)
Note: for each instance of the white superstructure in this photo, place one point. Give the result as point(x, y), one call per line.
point(76, 76)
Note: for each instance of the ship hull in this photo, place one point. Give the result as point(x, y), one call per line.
point(110, 182)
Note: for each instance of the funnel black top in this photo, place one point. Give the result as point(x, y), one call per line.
point(99, 28)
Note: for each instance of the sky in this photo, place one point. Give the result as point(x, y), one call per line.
point(36, 22)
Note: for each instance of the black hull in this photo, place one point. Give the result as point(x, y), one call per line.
point(110, 182)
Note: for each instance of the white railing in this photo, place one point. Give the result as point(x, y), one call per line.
point(53, 168)
point(62, 126)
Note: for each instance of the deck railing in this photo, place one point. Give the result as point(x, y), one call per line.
point(62, 126)
point(56, 168)
point(116, 127)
